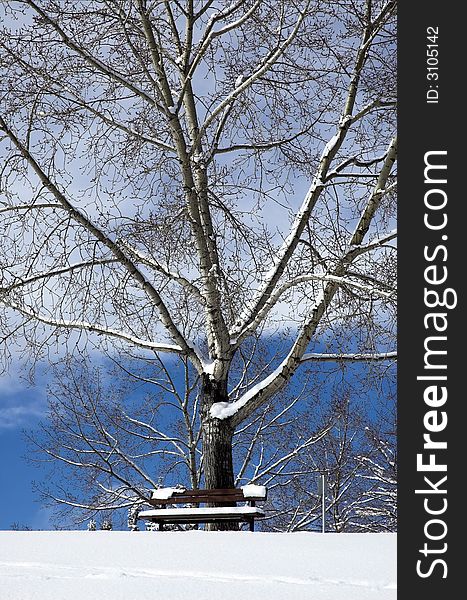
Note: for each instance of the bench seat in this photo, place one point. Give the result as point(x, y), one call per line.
point(229, 512)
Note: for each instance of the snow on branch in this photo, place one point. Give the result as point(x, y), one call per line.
point(382, 239)
point(358, 162)
point(351, 357)
point(83, 325)
point(262, 297)
point(372, 106)
point(242, 408)
point(229, 11)
point(224, 410)
point(357, 249)
point(373, 203)
point(372, 290)
point(209, 35)
point(80, 218)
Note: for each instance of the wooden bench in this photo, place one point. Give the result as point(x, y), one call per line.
point(222, 506)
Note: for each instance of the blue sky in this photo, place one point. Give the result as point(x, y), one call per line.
point(17, 503)
point(21, 407)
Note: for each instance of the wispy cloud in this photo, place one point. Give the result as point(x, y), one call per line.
point(20, 403)
point(20, 415)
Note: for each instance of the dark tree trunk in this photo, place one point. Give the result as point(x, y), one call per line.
point(217, 445)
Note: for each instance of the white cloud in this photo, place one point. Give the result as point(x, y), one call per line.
point(19, 415)
point(20, 403)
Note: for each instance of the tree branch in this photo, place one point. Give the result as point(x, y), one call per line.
point(94, 62)
point(356, 357)
point(83, 325)
point(284, 254)
point(134, 272)
point(239, 410)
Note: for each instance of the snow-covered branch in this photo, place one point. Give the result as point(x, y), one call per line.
point(93, 328)
point(378, 242)
point(349, 357)
point(210, 34)
point(372, 290)
point(83, 220)
point(285, 252)
point(243, 407)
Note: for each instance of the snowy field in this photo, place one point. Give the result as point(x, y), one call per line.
point(196, 565)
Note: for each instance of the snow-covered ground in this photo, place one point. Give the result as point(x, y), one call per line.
point(196, 565)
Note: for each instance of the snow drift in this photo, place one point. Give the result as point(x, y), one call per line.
point(116, 565)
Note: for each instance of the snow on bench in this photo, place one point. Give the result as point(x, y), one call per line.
point(224, 508)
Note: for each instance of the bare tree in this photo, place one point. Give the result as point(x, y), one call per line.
point(183, 178)
point(357, 457)
point(378, 509)
point(110, 437)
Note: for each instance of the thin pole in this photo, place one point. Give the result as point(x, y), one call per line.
point(323, 502)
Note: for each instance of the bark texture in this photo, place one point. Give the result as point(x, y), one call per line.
point(217, 445)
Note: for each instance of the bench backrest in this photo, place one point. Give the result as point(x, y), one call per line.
point(211, 496)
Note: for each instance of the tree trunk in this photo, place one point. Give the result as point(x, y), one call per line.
point(217, 445)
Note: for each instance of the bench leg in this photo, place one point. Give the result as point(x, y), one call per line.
point(161, 526)
point(252, 525)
